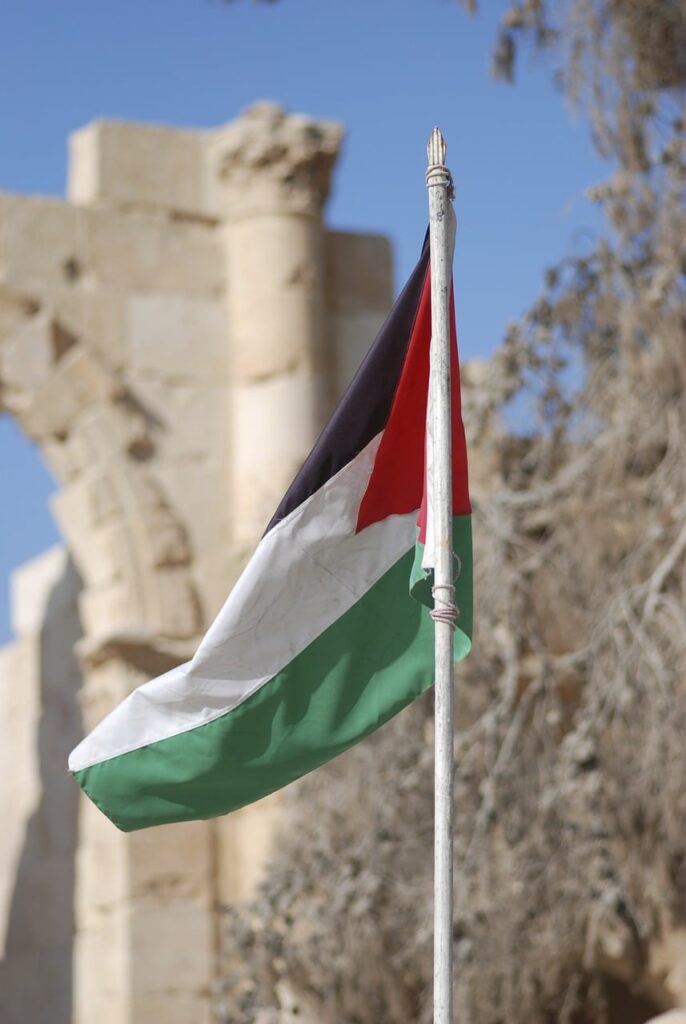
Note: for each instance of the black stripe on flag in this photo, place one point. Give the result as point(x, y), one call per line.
point(365, 407)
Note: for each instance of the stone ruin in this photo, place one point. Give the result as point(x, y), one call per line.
point(173, 336)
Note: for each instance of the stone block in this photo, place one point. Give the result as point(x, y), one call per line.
point(32, 587)
point(72, 509)
point(102, 865)
point(167, 604)
point(88, 514)
point(111, 609)
point(178, 613)
point(104, 500)
point(108, 561)
point(199, 491)
point(359, 272)
point(28, 356)
point(97, 319)
point(167, 541)
point(214, 574)
point(123, 164)
point(192, 420)
point(107, 685)
point(274, 425)
point(353, 334)
point(146, 252)
point(15, 309)
point(104, 432)
point(171, 947)
point(245, 842)
point(174, 1007)
point(276, 296)
point(67, 457)
point(176, 338)
point(44, 244)
point(77, 382)
point(171, 863)
point(102, 990)
point(145, 553)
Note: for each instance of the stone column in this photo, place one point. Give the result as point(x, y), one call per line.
point(145, 943)
point(276, 171)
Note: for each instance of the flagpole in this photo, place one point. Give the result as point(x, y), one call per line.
point(442, 238)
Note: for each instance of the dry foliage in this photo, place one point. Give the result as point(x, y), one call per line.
point(623, 61)
point(570, 761)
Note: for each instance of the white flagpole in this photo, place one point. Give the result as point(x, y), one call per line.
point(442, 237)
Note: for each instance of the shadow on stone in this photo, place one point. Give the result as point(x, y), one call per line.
point(36, 972)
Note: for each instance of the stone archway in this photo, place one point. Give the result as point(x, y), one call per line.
point(185, 290)
point(131, 549)
point(140, 613)
point(66, 377)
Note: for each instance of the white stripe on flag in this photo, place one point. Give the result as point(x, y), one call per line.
point(305, 574)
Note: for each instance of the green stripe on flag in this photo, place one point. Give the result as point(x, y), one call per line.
point(357, 674)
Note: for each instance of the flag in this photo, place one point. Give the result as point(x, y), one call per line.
point(327, 633)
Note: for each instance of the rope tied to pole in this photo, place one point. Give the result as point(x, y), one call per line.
point(436, 176)
point(448, 612)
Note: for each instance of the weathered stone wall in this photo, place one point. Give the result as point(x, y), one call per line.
point(41, 720)
point(173, 336)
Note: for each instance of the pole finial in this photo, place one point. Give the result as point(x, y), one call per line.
point(437, 173)
point(436, 149)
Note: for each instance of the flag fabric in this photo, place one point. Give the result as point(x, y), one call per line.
point(327, 633)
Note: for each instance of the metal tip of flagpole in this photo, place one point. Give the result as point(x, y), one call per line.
point(436, 149)
point(437, 172)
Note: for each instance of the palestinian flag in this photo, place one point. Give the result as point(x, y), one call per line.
point(320, 641)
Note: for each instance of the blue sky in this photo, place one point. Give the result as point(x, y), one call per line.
point(388, 69)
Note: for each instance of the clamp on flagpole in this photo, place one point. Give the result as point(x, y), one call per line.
point(442, 228)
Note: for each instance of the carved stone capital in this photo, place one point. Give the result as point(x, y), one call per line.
point(271, 161)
